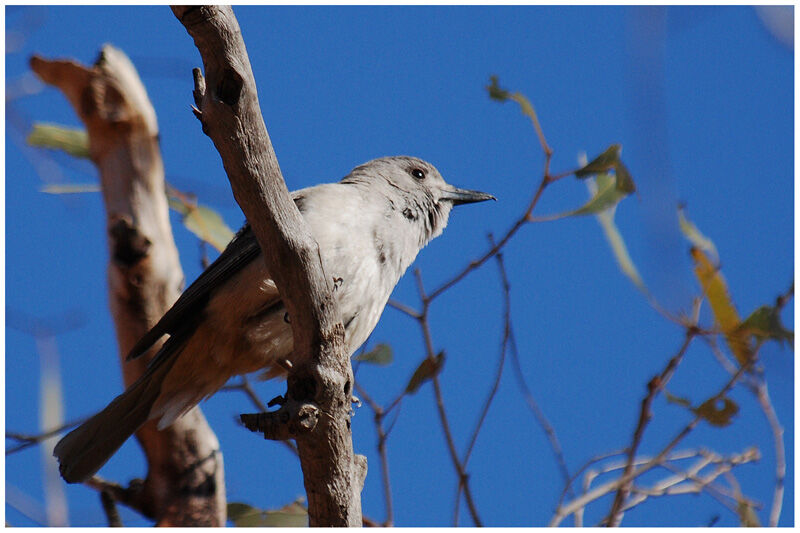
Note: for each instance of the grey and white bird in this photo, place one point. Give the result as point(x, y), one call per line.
point(231, 321)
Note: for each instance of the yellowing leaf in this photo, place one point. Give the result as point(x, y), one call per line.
point(716, 291)
point(70, 188)
point(425, 371)
point(715, 414)
point(291, 515)
point(694, 236)
point(204, 222)
point(73, 141)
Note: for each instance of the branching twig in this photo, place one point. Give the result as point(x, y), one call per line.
point(758, 386)
point(655, 386)
point(582, 501)
point(547, 179)
point(692, 481)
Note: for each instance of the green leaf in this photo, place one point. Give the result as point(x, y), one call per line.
point(714, 413)
point(70, 188)
point(425, 371)
point(379, 355)
point(694, 236)
point(765, 324)
point(237, 510)
point(502, 95)
point(203, 221)
point(602, 163)
point(716, 291)
point(677, 400)
point(607, 195)
point(614, 237)
point(73, 141)
point(294, 514)
point(495, 92)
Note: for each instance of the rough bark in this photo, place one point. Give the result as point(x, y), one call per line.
point(185, 481)
point(227, 105)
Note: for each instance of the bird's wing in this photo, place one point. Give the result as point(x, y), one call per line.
point(185, 312)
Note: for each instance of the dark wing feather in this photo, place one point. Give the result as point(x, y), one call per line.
point(239, 252)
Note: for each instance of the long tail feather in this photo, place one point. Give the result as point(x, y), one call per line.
point(85, 449)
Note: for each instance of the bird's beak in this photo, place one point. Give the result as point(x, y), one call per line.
point(465, 196)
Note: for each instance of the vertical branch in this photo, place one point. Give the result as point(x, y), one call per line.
point(185, 484)
point(762, 394)
point(380, 414)
point(655, 386)
point(463, 478)
point(498, 374)
point(321, 383)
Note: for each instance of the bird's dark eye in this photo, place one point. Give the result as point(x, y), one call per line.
point(418, 174)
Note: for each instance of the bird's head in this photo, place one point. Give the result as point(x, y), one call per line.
point(426, 198)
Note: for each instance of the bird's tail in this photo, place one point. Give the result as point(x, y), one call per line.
point(86, 448)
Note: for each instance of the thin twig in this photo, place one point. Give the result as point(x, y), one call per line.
point(780, 453)
point(655, 386)
point(437, 390)
point(131, 497)
point(29, 440)
point(380, 414)
point(606, 488)
point(498, 374)
point(494, 249)
point(758, 386)
point(413, 313)
point(503, 348)
point(541, 418)
point(568, 487)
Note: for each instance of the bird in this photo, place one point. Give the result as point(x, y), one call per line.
point(231, 320)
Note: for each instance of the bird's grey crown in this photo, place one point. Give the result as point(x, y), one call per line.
point(391, 178)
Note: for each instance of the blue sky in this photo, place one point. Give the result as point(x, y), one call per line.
point(701, 100)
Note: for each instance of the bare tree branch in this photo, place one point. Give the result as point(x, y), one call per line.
point(145, 275)
point(227, 105)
